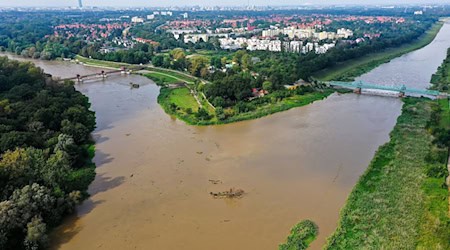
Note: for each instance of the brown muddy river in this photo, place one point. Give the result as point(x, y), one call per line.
point(154, 172)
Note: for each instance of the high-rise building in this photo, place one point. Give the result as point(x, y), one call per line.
point(80, 3)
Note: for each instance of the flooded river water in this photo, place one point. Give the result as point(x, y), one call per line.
point(154, 172)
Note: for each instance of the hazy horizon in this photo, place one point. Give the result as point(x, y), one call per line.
point(163, 3)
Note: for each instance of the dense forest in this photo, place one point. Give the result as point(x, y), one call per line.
point(45, 149)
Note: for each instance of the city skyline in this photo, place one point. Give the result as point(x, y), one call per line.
point(162, 3)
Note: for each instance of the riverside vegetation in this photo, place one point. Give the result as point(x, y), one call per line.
point(46, 152)
point(402, 200)
point(348, 70)
point(230, 101)
point(232, 74)
point(301, 236)
point(441, 79)
point(180, 103)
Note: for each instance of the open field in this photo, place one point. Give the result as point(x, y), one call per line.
point(183, 99)
point(174, 73)
point(350, 69)
point(161, 79)
point(180, 103)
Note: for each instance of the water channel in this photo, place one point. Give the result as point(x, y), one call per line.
point(154, 173)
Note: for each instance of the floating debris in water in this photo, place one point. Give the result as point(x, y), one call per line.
point(215, 182)
point(232, 193)
point(134, 85)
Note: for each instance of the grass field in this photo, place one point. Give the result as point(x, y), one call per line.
point(348, 70)
point(183, 99)
point(395, 204)
point(161, 79)
point(176, 74)
point(180, 103)
point(445, 118)
point(100, 63)
point(107, 64)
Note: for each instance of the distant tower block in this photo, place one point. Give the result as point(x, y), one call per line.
point(80, 3)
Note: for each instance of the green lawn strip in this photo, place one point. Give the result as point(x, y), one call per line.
point(445, 114)
point(180, 103)
point(301, 236)
point(161, 79)
point(388, 207)
point(350, 69)
point(179, 75)
point(100, 63)
point(182, 98)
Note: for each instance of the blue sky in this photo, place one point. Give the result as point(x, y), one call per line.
point(154, 3)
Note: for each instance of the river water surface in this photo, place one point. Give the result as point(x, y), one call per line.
point(154, 172)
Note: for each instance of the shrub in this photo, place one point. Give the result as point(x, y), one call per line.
point(301, 236)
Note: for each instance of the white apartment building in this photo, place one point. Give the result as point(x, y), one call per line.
point(292, 33)
point(344, 33)
point(195, 38)
point(136, 19)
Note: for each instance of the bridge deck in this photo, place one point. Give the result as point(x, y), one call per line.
point(402, 88)
point(90, 75)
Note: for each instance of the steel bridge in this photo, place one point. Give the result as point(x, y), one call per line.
point(403, 90)
point(103, 74)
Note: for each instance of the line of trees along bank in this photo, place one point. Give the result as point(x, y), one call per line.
point(45, 150)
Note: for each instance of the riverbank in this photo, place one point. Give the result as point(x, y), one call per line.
point(193, 107)
point(348, 70)
point(401, 201)
point(46, 153)
point(441, 79)
point(179, 103)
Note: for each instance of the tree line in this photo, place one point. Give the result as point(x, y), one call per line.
point(45, 149)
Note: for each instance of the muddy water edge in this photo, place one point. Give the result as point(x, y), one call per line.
point(154, 173)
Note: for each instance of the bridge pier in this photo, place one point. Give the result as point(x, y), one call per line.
point(357, 91)
point(401, 94)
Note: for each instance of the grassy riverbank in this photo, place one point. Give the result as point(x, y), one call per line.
point(180, 103)
point(401, 201)
point(154, 72)
point(348, 70)
point(441, 79)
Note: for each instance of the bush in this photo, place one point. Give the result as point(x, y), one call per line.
point(301, 236)
point(202, 114)
point(436, 170)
